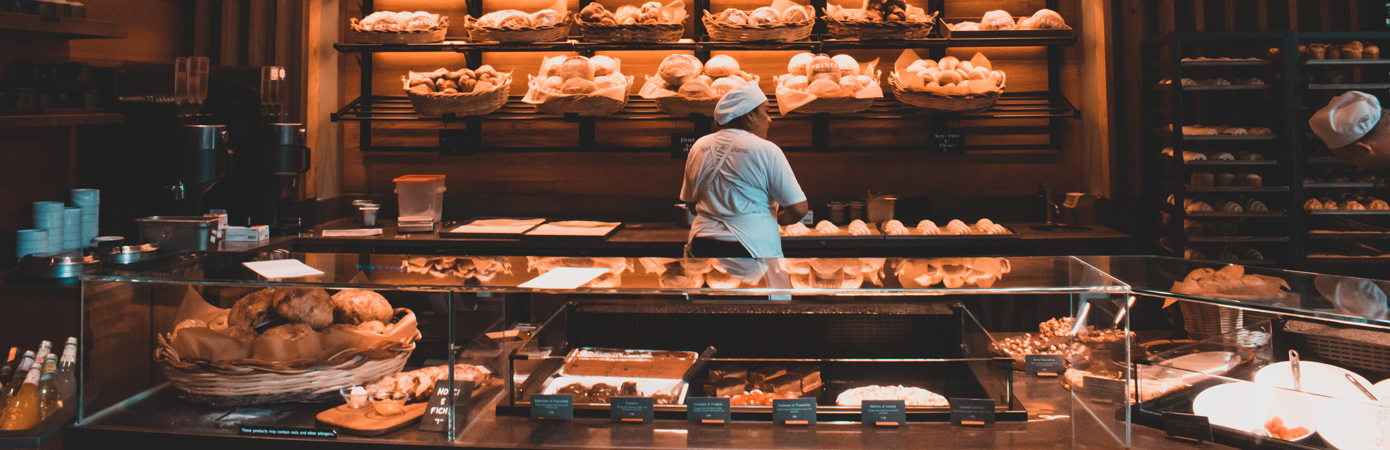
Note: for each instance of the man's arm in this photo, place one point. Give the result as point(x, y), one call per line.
point(791, 214)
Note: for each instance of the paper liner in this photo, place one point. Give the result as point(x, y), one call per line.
point(906, 78)
point(655, 87)
point(206, 344)
point(789, 100)
point(536, 95)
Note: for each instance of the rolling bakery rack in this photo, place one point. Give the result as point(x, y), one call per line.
point(1049, 105)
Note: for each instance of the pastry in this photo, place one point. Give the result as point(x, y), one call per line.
point(1370, 51)
point(724, 387)
point(758, 378)
point(729, 371)
point(786, 384)
point(1232, 207)
point(1225, 179)
point(190, 323)
point(733, 17)
point(1198, 206)
point(577, 67)
point(1251, 180)
point(858, 228)
point(309, 306)
point(825, 227)
point(1378, 205)
point(507, 18)
point(810, 377)
point(956, 227)
point(1255, 206)
point(253, 310)
point(796, 229)
point(757, 398)
point(1193, 253)
point(1352, 50)
point(374, 326)
point(912, 395)
point(1260, 131)
point(578, 86)
point(287, 331)
point(1044, 19)
point(894, 227)
point(1220, 156)
point(1249, 156)
point(241, 333)
point(696, 89)
point(1353, 205)
point(826, 88)
point(1252, 254)
point(596, 13)
point(885, 10)
point(1203, 179)
point(355, 306)
point(928, 227)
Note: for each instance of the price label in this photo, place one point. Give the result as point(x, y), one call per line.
point(1187, 426)
point(681, 143)
point(943, 141)
point(712, 410)
point(453, 142)
point(884, 413)
point(632, 409)
point(316, 433)
point(794, 411)
point(1043, 365)
point(437, 413)
point(970, 411)
point(1101, 389)
point(552, 407)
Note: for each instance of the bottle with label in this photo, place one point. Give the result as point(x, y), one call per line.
point(19, 374)
point(45, 348)
point(22, 408)
point(8, 369)
point(67, 371)
point(50, 394)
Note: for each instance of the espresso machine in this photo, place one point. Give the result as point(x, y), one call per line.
point(279, 161)
point(205, 161)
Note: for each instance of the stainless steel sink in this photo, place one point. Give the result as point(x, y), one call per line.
point(1062, 228)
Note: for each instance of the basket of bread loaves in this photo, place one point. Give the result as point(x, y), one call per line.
point(822, 84)
point(510, 25)
point(464, 92)
point(948, 85)
point(575, 84)
point(683, 85)
point(999, 23)
point(284, 345)
point(784, 21)
point(651, 22)
point(385, 27)
point(879, 19)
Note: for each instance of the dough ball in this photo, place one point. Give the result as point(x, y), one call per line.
point(578, 86)
point(577, 67)
point(675, 70)
point(765, 16)
point(355, 306)
point(848, 66)
point(795, 14)
point(733, 17)
point(254, 309)
point(287, 331)
point(721, 66)
point(825, 88)
point(311, 307)
point(373, 326)
point(604, 65)
point(242, 333)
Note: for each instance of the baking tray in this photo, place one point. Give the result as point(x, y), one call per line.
point(912, 233)
point(647, 386)
point(500, 231)
point(629, 357)
point(564, 230)
point(843, 234)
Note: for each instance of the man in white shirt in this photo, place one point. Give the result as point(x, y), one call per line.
point(733, 177)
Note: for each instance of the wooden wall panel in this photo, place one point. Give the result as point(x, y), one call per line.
point(156, 30)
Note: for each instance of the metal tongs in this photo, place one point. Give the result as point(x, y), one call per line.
point(1297, 374)
point(1362, 388)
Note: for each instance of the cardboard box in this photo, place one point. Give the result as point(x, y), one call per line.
point(257, 233)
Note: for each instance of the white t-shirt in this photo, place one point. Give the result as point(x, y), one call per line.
point(755, 174)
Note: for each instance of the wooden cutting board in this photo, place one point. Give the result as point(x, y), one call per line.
point(366, 421)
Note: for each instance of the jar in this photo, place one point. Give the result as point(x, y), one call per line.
point(881, 209)
point(837, 212)
point(369, 214)
point(856, 211)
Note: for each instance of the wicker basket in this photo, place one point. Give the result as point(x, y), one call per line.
point(870, 30)
point(356, 35)
point(781, 32)
point(466, 104)
point(931, 102)
point(654, 32)
point(553, 33)
point(843, 105)
point(683, 106)
point(585, 105)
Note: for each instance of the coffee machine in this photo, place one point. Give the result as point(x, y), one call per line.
point(279, 162)
point(205, 161)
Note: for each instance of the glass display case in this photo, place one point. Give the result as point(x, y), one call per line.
point(1129, 339)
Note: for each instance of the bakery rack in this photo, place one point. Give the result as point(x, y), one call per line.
point(466, 137)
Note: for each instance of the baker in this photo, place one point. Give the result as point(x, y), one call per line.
point(1355, 128)
point(735, 178)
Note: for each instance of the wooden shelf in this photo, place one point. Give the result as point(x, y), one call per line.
point(1230, 63)
point(1350, 212)
point(1243, 214)
point(1352, 235)
point(64, 28)
point(1237, 189)
point(1222, 163)
point(1228, 87)
point(1345, 62)
point(1326, 259)
point(57, 120)
point(1236, 239)
point(1348, 86)
point(1346, 185)
point(1232, 137)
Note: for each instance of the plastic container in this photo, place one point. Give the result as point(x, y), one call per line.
point(881, 209)
point(856, 211)
point(420, 197)
point(837, 213)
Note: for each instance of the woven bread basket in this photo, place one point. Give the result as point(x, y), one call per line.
point(585, 105)
point(463, 104)
point(780, 32)
point(931, 102)
point(842, 105)
point(684, 106)
point(255, 382)
point(357, 35)
point(554, 33)
point(652, 32)
point(871, 30)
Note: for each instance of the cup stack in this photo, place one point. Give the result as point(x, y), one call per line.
point(72, 228)
point(49, 216)
point(90, 201)
point(30, 242)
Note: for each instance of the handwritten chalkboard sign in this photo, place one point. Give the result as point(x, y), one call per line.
point(944, 141)
point(681, 143)
point(453, 142)
point(437, 413)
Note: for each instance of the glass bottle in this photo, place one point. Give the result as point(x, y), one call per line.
point(67, 371)
point(50, 394)
point(19, 374)
point(45, 348)
point(22, 408)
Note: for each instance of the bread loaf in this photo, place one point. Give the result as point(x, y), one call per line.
point(675, 70)
point(577, 67)
point(721, 66)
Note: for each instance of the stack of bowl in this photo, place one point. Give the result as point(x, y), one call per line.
point(89, 200)
point(49, 216)
point(72, 228)
point(30, 242)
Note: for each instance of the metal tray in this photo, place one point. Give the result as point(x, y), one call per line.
point(843, 234)
point(912, 233)
point(546, 231)
point(448, 231)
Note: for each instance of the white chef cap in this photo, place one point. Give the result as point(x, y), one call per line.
point(738, 102)
point(1346, 118)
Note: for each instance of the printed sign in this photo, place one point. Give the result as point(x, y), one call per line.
point(707, 409)
point(1043, 365)
point(885, 413)
point(552, 406)
point(969, 411)
point(632, 409)
point(794, 411)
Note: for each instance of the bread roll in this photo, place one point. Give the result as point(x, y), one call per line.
point(594, 13)
point(553, 84)
point(605, 82)
point(253, 310)
point(241, 333)
point(551, 67)
point(578, 86)
point(604, 65)
point(373, 326)
point(797, 65)
point(309, 306)
point(997, 20)
point(696, 89)
point(825, 88)
point(850, 85)
point(848, 66)
point(724, 85)
point(795, 14)
point(798, 83)
point(287, 331)
point(577, 67)
point(545, 18)
point(949, 77)
point(721, 66)
point(354, 306)
point(733, 17)
point(675, 70)
point(764, 16)
point(823, 68)
point(949, 63)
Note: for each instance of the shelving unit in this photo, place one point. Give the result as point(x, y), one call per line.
point(1050, 105)
point(58, 120)
point(63, 28)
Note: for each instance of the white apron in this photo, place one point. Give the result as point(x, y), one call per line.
point(756, 230)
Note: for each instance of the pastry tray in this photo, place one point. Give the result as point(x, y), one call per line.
point(491, 231)
point(912, 233)
point(647, 386)
point(631, 358)
point(843, 234)
point(574, 229)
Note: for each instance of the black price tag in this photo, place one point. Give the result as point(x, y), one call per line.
point(453, 142)
point(552, 406)
point(971, 411)
point(943, 141)
point(632, 409)
point(707, 409)
point(292, 432)
point(1101, 389)
point(794, 411)
point(1187, 426)
point(1043, 365)
point(681, 143)
point(437, 413)
point(886, 413)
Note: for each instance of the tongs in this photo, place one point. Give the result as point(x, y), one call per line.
point(1297, 374)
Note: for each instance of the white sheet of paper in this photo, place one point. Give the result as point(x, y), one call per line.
point(356, 232)
point(564, 278)
point(284, 268)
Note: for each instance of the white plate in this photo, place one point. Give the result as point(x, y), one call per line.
point(1348, 425)
point(647, 386)
point(1318, 378)
point(1247, 406)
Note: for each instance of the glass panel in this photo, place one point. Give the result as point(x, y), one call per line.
point(1099, 377)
